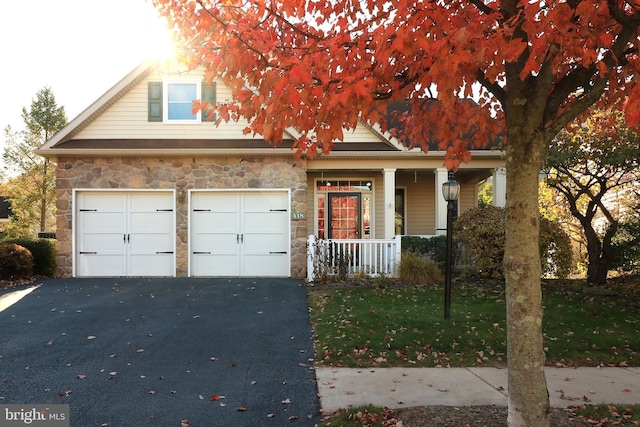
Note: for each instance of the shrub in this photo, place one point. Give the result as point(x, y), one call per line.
point(44, 254)
point(15, 261)
point(555, 249)
point(418, 269)
point(481, 232)
point(433, 247)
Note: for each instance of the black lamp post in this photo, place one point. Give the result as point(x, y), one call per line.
point(450, 191)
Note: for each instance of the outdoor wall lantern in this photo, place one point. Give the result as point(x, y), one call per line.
point(450, 191)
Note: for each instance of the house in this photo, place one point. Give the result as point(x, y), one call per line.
point(146, 188)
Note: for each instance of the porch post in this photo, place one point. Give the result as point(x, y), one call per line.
point(389, 184)
point(500, 187)
point(442, 175)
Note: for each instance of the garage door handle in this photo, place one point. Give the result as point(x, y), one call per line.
point(278, 252)
point(88, 210)
point(200, 253)
point(88, 253)
point(164, 252)
point(277, 210)
point(164, 210)
point(202, 210)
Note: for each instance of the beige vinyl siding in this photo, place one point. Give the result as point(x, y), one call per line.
point(127, 119)
point(420, 201)
point(468, 197)
point(360, 134)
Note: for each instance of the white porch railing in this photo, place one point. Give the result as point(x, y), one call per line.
point(347, 257)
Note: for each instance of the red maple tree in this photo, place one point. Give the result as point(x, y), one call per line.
point(320, 67)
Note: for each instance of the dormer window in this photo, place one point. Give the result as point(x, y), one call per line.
point(171, 101)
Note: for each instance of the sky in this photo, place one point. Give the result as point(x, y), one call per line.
point(77, 48)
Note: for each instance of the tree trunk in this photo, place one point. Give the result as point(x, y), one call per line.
point(528, 395)
point(601, 256)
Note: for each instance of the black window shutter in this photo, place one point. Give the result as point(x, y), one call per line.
point(208, 95)
point(155, 101)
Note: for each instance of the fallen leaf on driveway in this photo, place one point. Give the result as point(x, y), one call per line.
point(216, 397)
point(241, 409)
point(286, 401)
point(91, 337)
point(81, 377)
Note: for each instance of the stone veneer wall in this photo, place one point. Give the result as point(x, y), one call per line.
point(181, 174)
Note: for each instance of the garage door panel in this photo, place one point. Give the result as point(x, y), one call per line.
point(102, 243)
point(150, 243)
point(133, 231)
point(265, 243)
point(264, 201)
point(101, 265)
point(218, 243)
point(150, 202)
point(264, 222)
point(240, 230)
point(216, 265)
point(105, 222)
point(267, 265)
point(151, 265)
point(214, 222)
point(140, 222)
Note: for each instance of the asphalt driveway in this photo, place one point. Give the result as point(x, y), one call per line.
point(154, 352)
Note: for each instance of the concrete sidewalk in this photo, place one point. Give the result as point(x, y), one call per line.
point(406, 387)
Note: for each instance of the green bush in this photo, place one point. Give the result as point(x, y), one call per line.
point(481, 232)
point(433, 247)
point(16, 261)
point(418, 269)
point(44, 254)
point(626, 244)
point(555, 249)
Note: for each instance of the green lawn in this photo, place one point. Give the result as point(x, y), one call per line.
point(405, 327)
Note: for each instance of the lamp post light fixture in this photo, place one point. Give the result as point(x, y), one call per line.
point(450, 191)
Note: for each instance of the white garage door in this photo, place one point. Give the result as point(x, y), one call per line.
point(125, 233)
point(240, 233)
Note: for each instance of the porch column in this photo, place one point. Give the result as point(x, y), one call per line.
point(442, 176)
point(389, 184)
point(500, 187)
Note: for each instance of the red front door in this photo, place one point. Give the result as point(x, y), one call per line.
point(344, 215)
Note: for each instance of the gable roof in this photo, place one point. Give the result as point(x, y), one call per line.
point(72, 140)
